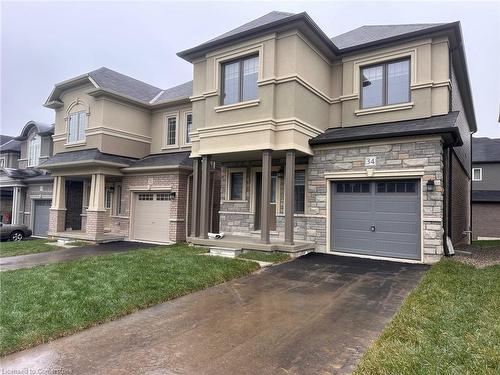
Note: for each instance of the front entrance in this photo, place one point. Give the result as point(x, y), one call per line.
point(74, 203)
point(376, 218)
point(41, 211)
point(151, 217)
point(258, 196)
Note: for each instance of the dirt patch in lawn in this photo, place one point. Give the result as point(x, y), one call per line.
point(480, 254)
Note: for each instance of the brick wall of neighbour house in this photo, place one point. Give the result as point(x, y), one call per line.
point(460, 204)
point(177, 181)
point(405, 155)
point(486, 220)
point(35, 191)
point(94, 224)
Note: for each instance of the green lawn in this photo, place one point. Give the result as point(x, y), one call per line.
point(29, 246)
point(43, 303)
point(450, 324)
point(265, 257)
point(486, 243)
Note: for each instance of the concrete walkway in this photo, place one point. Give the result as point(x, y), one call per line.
point(57, 256)
point(314, 315)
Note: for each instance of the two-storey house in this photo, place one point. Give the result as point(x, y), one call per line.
point(485, 188)
point(357, 145)
point(121, 164)
point(26, 190)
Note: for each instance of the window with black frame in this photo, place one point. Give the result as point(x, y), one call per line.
point(300, 192)
point(239, 80)
point(385, 84)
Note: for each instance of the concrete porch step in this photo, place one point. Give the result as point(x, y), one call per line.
point(227, 252)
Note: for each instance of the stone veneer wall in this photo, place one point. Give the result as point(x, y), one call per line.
point(426, 154)
point(237, 218)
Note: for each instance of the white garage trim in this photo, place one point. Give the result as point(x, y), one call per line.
point(371, 175)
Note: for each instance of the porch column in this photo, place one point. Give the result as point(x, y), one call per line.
point(96, 211)
point(289, 195)
point(205, 196)
point(16, 205)
point(195, 203)
point(265, 210)
point(57, 216)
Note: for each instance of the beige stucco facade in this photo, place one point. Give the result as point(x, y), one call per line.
point(301, 92)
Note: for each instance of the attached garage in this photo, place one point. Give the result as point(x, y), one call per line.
point(376, 218)
point(151, 217)
point(41, 212)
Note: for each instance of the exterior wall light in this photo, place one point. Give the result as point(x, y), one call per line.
point(431, 186)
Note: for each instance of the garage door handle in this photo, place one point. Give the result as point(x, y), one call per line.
point(372, 228)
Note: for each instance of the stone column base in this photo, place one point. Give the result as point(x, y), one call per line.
point(95, 223)
point(57, 220)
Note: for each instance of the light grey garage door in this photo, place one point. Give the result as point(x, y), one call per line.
point(151, 220)
point(41, 217)
point(378, 218)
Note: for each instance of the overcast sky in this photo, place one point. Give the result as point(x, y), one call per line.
point(43, 43)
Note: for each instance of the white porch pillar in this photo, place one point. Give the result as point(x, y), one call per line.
point(57, 220)
point(16, 205)
point(96, 212)
point(59, 194)
point(97, 190)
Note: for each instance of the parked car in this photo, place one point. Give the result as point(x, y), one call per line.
point(14, 232)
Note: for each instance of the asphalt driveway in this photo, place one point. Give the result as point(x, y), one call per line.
point(314, 315)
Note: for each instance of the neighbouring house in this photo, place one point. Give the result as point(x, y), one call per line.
point(121, 164)
point(356, 145)
point(26, 190)
point(485, 188)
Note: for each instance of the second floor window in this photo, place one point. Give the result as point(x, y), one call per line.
point(239, 80)
point(77, 123)
point(385, 84)
point(171, 131)
point(34, 148)
point(189, 127)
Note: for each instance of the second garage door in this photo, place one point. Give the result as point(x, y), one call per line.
point(41, 210)
point(151, 221)
point(377, 218)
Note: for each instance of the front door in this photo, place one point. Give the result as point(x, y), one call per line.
point(74, 202)
point(258, 200)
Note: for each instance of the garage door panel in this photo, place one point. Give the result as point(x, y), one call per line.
point(399, 227)
point(349, 205)
point(394, 215)
point(151, 218)
point(41, 217)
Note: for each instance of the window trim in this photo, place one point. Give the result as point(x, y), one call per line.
point(3, 162)
point(68, 119)
point(165, 130)
point(385, 81)
point(228, 184)
point(240, 60)
point(185, 127)
point(301, 168)
point(108, 203)
point(480, 174)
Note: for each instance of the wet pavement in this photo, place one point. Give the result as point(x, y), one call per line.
point(314, 315)
point(65, 255)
